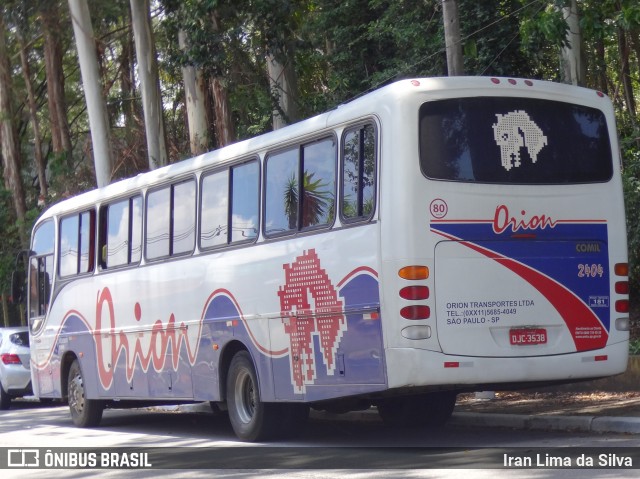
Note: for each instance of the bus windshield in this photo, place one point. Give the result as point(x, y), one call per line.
point(514, 141)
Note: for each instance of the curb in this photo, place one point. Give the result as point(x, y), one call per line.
point(597, 424)
point(542, 422)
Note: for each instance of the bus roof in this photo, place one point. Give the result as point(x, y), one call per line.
point(361, 107)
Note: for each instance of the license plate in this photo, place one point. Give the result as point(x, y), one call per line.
point(525, 337)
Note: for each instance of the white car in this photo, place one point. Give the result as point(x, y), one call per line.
point(15, 359)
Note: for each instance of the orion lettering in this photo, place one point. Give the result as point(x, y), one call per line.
point(503, 220)
point(111, 343)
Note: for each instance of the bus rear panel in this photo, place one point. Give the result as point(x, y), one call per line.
point(519, 220)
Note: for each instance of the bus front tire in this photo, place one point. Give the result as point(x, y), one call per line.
point(84, 412)
point(251, 419)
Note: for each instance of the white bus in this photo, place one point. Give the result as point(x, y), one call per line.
point(431, 237)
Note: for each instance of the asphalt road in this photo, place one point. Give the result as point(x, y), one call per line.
point(204, 446)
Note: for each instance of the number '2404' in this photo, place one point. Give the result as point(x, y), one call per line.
point(590, 271)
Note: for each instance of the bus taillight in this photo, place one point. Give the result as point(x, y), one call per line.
point(414, 292)
point(622, 287)
point(416, 312)
point(622, 306)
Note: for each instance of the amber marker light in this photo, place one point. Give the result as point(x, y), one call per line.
point(621, 269)
point(414, 272)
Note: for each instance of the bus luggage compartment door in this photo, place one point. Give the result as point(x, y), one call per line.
point(521, 298)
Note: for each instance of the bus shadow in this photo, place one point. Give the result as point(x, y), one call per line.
point(33, 403)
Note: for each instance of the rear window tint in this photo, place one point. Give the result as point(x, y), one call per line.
point(514, 141)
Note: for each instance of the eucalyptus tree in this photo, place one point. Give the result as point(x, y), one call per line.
point(91, 80)
point(201, 36)
point(10, 147)
point(149, 83)
point(452, 37)
point(53, 20)
point(195, 102)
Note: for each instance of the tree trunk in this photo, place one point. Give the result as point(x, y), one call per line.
point(5, 310)
point(96, 107)
point(623, 47)
point(8, 136)
point(601, 66)
point(225, 131)
point(33, 114)
point(149, 83)
point(452, 39)
point(634, 37)
point(60, 133)
point(194, 92)
point(572, 55)
point(127, 83)
point(283, 82)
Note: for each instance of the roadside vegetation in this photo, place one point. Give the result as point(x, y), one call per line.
point(246, 67)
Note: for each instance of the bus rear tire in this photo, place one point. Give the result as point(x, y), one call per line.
point(84, 412)
point(425, 410)
point(251, 419)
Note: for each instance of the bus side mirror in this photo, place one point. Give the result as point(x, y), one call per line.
point(19, 277)
point(18, 287)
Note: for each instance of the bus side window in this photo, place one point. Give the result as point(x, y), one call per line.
point(121, 233)
point(300, 188)
point(319, 183)
point(281, 192)
point(230, 205)
point(171, 220)
point(77, 244)
point(214, 210)
point(183, 218)
point(158, 223)
point(358, 163)
point(245, 188)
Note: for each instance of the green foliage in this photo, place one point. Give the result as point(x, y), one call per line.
point(631, 179)
point(10, 243)
point(502, 51)
point(339, 50)
point(369, 43)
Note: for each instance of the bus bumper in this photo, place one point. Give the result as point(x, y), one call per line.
point(408, 367)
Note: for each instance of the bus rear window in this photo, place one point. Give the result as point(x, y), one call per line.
point(514, 141)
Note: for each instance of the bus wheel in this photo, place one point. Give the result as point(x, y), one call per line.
point(251, 419)
point(84, 412)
